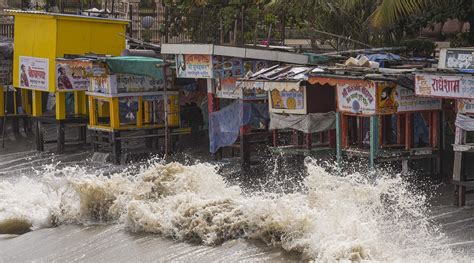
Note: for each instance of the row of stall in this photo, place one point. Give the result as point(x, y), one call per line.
point(72, 76)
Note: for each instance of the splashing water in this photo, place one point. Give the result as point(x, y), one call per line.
point(350, 217)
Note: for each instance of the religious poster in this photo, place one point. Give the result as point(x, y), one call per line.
point(227, 89)
point(288, 101)
point(194, 66)
point(445, 86)
point(128, 110)
point(34, 73)
point(72, 75)
point(408, 101)
point(356, 98)
point(386, 98)
point(101, 84)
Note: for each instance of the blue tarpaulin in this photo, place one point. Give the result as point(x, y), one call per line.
point(224, 125)
point(381, 57)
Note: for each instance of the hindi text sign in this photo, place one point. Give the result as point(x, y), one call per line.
point(194, 66)
point(356, 98)
point(34, 73)
point(445, 86)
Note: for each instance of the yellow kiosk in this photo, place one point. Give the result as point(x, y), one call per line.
point(132, 99)
point(40, 39)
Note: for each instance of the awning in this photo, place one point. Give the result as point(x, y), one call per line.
point(282, 85)
point(144, 66)
point(465, 122)
point(334, 81)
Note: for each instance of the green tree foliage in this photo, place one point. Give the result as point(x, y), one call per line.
point(375, 22)
point(208, 20)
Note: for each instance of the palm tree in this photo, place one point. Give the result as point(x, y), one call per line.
point(389, 12)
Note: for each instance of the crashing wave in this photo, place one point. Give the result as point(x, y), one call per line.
point(353, 217)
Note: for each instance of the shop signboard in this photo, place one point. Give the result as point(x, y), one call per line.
point(73, 75)
point(356, 98)
point(194, 66)
point(408, 101)
point(227, 67)
point(457, 59)
point(253, 90)
point(33, 73)
point(285, 100)
point(445, 86)
point(125, 83)
point(135, 83)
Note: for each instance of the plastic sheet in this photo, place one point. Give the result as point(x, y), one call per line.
point(224, 125)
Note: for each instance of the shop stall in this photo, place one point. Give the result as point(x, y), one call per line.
point(53, 89)
point(133, 99)
point(380, 118)
point(299, 111)
point(238, 112)
point(455, 84)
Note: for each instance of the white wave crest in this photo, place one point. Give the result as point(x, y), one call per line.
point(350, 217)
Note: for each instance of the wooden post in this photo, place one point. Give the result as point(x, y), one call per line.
point(140, 112)
point(39, 136)
point(434, 129)
point(344, 130)
point(360, 131)
point(381, 130)
point(332, 138)
point(309, 140)
point(275, 138)
point(399, 129)
point(15, 106)
point(374, 126)
point(60, 105)
point(61, 136)
point(37, 103)
point(338, 139)
point(80, 103)
point(244, 151)
point(116, 147)
point(92, 111)
point(25, 102)
point(77, 102)
point(147, 112)
point(114, 113)
point(408, 131)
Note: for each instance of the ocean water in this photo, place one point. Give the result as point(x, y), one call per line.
point(188, 212)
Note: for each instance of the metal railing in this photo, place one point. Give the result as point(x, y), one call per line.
point(6, 26)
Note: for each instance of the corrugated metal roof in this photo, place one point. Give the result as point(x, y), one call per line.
point(283, 73)
point(33, 12)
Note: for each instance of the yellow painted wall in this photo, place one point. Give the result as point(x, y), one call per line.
point(80, 36)
point(52, 36)
point(34, 37)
